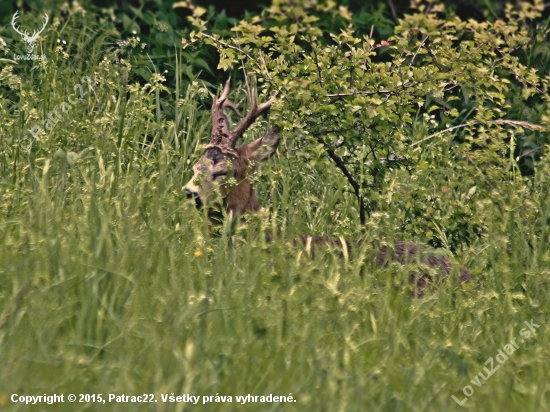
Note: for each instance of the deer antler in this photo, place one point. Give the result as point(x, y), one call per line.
point(221, 133)
point(252, 114)
point(220, 122)
point(15, 17)
point(24, 34)
point(37, 32)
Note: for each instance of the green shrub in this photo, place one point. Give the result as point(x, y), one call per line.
point(439, 96)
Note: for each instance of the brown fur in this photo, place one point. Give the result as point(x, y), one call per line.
point(402, 252)
point(223, 158)
point(242, 198)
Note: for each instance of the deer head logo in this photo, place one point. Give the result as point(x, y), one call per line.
point(29, 40)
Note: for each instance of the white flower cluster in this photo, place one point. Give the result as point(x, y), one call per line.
point(3, 45)
point(60, 50)
point(132, 42)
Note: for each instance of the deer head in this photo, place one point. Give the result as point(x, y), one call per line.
point(222, 160)
point(29, 40)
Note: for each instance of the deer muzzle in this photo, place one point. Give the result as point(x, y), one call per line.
point(194, 195)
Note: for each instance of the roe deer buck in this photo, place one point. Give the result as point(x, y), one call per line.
point(222, 159)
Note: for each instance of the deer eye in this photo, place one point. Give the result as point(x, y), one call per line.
point(218, 174)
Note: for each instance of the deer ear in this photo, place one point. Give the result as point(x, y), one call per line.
point(264, 147)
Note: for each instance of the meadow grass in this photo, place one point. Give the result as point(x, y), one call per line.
point(110, 282)
point(127, 294)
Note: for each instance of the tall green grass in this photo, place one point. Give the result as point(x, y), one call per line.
point(110, 282)
point(129, 294)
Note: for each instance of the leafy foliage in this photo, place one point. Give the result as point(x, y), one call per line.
point(371, 108)
point(110, 282)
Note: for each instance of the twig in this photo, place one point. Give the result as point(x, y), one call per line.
point(519, 123)
point(417, 50)
point(530, 151)
point(316, 61)
point(230, 46)
point(351, 179)
point(360, 93)
point(393, 11)
point(365, 93)
point(441, 132)
point(481, 173)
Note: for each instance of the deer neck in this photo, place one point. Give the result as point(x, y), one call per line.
point(242, 199)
